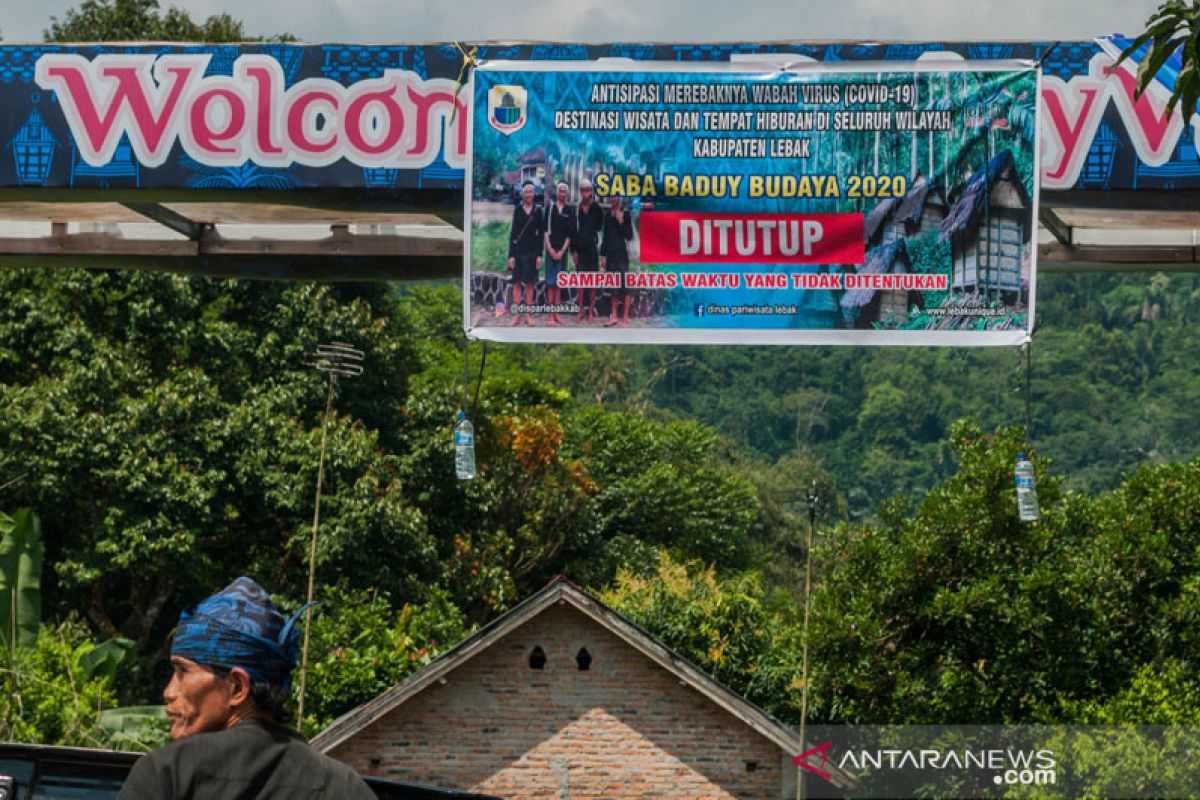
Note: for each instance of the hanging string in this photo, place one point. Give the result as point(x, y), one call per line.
point(479, 382)
point(469, 62)
point(1028, 391)
point(1047, 54)
point(466, 372)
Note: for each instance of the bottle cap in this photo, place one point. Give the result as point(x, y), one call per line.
point(1021, 456)
point(461, 415)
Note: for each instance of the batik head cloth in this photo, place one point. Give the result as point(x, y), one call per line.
point(240, 627)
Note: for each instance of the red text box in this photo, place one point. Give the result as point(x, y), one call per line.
point(695, 237)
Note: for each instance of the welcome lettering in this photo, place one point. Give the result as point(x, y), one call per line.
point(398, 120)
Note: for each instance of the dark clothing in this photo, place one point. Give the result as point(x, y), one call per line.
point(525, 237)
point(253, 760)
point(560, 225)
point(588, 225)
point(615, 247)
point(525, 269)
point(587, 261)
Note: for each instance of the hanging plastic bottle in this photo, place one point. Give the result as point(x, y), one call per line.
point(1027, 502)
point(464, 448)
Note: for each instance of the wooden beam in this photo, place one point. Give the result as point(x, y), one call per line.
point(33, 211)
point(1129, 219)
point(166, 217)
point(1054, 224)
point(337, 244)
point(84, 244)
point(1053, 251)
point(1116, 267)
point(396, 199)
point(1056, 257)
point(443, 203)
point(274, 214)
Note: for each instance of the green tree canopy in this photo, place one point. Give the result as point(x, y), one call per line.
point(1174, 27)
point(960, 613)
point(142, 20)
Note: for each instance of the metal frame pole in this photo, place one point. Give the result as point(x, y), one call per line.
point(812, 524)
point(312, 553)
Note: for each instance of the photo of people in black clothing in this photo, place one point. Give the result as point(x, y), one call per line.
point(557, 256)
point(614, 255)
point(589, 224)
point(560, 232)
point(525, 252)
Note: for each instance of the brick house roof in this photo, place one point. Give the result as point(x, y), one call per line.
point(561, 591)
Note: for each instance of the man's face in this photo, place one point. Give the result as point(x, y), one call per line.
point(527, 194)
point(562, 194)
point(198, 699)
point(585, 194)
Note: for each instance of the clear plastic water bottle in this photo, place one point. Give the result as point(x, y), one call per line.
point(1027, 502)
point(464, 448)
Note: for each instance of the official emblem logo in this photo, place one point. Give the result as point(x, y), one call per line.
point(507, 106)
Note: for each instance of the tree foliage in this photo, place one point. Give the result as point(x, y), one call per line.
point(1173, 28)
point(738, 632)
point(975, 617)
point(1113, 379)
point(362, 645)
point(47, 694)
point(141, 20)
point(173, 428)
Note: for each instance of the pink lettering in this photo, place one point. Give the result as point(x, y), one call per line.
point(158, 101)
point(297, 126)
point(357, 125)
point(1154, 132)
point(202, 131)
point(424, 104)
point(134, 104)
point(265, 113)
point(1068, 133)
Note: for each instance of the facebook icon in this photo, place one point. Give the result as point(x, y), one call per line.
point(699, 309)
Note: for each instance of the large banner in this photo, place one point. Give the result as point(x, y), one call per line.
point(382, 117)
point(740, 204)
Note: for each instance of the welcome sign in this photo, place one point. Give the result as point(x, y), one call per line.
point(819, 204)
point(382, 117)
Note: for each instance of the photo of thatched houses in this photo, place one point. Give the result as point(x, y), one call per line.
point(989, 229)
point(922, 209)
point(862, 308)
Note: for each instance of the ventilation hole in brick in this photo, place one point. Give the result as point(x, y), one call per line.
point(583, 658)
point(751, 766)
point(537, 659)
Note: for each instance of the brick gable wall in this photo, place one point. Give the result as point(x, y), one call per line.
point(623, 729)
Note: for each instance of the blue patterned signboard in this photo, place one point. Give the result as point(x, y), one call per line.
point(381, 117)
point(270, 116)
point(744, 204)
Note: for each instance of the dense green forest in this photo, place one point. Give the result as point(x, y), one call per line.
point(1113, 386)
point(164, 431)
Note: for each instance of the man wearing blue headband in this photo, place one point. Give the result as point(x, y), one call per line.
point(233, 657)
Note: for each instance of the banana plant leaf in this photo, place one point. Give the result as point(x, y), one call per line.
point(20, 579)
point(135, 727)
point(102, 659)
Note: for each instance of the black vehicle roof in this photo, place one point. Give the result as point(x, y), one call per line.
point(119, 762)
